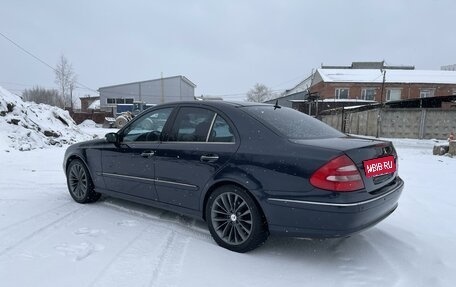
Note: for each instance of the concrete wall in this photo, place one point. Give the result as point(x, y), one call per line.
point(396, 123)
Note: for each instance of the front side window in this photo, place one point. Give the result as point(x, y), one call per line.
point(368, 94)
point(393, 94)
point(148, 127)
point(192, 125)
point(342, 93)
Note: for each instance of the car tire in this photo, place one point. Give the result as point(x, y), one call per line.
point(235, 219)
point(80, 183)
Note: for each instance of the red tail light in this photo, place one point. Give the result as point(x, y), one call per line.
point(340, 174)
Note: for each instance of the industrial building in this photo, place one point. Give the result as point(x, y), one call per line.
point(157, 91)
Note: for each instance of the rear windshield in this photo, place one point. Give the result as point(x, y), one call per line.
point(291, 123)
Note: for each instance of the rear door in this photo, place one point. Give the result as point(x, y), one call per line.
point(200, 142)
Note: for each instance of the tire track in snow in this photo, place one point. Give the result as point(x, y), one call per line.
point(10, 239)
point(34, 217)
point(135, 259)
point(183, 227)
point(155, 255)
point(162, 258)
point(173, 259)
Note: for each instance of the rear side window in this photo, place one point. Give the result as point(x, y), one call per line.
point(291, 123)
point(221, 131)
point(191, 125)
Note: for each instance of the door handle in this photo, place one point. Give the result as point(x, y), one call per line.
point(209, 158)
point(147, 154)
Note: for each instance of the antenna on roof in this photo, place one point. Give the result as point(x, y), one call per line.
point(276, 105)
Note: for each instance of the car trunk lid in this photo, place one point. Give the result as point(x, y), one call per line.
point(360, 150)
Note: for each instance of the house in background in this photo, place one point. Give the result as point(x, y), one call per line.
point(369, 82)
point(88, 102)
point(157, 91)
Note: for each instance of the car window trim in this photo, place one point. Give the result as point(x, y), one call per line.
point(211, 126)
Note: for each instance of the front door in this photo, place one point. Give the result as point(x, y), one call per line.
point(129, 167)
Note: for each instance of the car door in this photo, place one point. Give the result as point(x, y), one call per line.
point(200, 142)
point(128, 167)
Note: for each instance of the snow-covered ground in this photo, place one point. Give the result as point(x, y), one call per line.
point(46, 239)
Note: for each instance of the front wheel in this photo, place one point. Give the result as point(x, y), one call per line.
point(235, 220)
point(80, 183)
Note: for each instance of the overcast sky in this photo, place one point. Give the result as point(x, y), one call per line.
point(224, 47)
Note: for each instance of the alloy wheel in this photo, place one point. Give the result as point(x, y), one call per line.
point(232, 218)
point(78, 181)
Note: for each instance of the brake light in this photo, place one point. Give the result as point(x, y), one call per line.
point(340, 174)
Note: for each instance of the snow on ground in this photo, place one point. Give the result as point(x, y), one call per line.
point(46, 239)
point(26, 125)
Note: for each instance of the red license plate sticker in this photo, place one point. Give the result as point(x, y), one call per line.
point(379, 166)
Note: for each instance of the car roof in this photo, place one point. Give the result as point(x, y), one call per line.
point(220, 103)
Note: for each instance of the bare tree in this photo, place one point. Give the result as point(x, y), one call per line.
point(65, 78)
point(41, 95)
point(259, 93)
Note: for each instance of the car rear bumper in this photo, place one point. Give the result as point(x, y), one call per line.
point(300, 218)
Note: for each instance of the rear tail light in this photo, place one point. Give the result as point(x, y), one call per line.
point(340, 174)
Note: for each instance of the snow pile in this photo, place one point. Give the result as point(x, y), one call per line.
point(26, 125)
point(88, 124)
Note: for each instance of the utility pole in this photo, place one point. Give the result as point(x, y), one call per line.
point(379, 116)
point(162, 89)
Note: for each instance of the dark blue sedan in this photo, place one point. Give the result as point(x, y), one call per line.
point(247, 169)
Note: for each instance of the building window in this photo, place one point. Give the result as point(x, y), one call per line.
point(342, 93)
point(426, 93)
point(114, 101)
point(454, 92)
point(368, 94)
point(393, 94)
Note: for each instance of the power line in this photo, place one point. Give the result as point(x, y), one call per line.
point(38, 59)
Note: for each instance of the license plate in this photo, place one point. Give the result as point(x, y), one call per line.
point(379, 166)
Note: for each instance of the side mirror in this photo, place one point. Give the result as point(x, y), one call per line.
point(112, 138)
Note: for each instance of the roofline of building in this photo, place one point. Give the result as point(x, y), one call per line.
point(140, 82)
point(355, 66)
point(386, 82)
point(89, 97)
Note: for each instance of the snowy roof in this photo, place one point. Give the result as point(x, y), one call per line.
point(392, 76)
point(336, 100)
